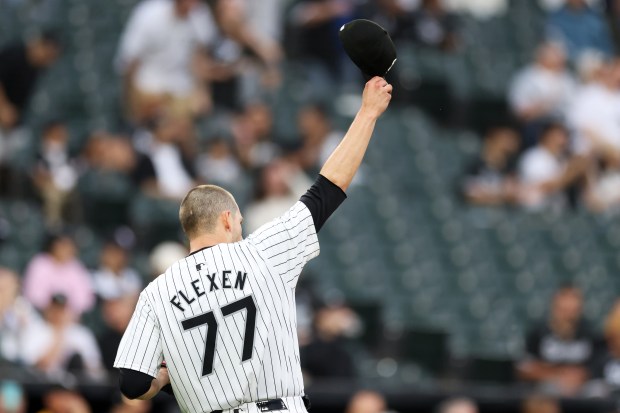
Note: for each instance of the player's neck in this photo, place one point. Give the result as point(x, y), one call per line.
point(205, 241)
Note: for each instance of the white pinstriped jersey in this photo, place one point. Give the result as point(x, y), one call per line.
point(224, 319)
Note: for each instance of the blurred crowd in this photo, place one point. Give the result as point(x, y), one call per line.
point(560, 147)
point(199, 80)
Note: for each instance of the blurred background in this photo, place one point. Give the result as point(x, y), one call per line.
point(474, 267)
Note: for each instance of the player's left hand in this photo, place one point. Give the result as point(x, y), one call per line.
point(376, 96)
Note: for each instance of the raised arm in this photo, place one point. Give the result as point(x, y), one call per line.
point(344, 162)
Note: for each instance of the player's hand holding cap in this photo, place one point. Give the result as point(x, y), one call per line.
point(369, 46)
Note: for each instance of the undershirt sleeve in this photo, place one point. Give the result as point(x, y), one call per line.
point(134, 383)
point(322, 199)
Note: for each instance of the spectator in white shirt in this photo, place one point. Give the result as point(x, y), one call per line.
point(61, 345)
point(164, 170)
point(156, 52)
point(281, 182)
point(16, 317)
point(545, 173)
point(114, 279)
point(541, 91)
point(595, 114)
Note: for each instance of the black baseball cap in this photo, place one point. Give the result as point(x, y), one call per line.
point(369, 46)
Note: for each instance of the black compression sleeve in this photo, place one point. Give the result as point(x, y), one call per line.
point(134, 383)
point(322, 199)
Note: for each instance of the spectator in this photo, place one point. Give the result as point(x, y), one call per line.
point(22, 64)
point(540, 404)
point(58, 271)
point(253, 136)
point(366, 401)
point(65, 401)
point(17, 317)
point(56, 175)
point(603, 186)
point(116, 313)
point(61, 345)
point(594, 114)
point(105, 186)
point(319, 137)
point(165, 170)
point(164, 255)
point(542, 90)
point(606, 367)
point(318, 22)
point(458, 405)
point(114, 279)
point(579, 28)
point(491, 179)
point(157, 47)
point(243, 62)
point(545, 173)
point(219, 165)
point(326, 356)
point(281, 183)
point(435, 27)
point(559, 350)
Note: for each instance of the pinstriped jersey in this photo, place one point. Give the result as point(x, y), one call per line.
point(224, 319)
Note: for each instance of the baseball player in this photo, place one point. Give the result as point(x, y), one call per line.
point(224, 318)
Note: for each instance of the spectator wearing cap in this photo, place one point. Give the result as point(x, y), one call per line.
point(61, 345)
point(580, 28)
point(559, 350)
point(114, 278)
point(57, 270)
point(546, 172)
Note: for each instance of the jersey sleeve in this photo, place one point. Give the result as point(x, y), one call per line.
point(140, 348)
point(288, 242)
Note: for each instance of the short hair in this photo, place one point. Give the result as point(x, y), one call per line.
point(201, 208)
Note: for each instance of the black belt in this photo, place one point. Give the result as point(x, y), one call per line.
point(271, 405)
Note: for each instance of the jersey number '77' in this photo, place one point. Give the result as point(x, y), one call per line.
point(209, 320)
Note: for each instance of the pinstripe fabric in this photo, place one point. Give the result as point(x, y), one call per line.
point(265, 267)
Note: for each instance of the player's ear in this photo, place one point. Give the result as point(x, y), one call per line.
point(227, 220)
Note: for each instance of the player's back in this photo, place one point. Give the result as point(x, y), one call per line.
point(224, 320)
point(228, 328)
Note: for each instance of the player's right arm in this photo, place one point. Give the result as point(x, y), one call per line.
point(343, 163)
point(139, 357)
